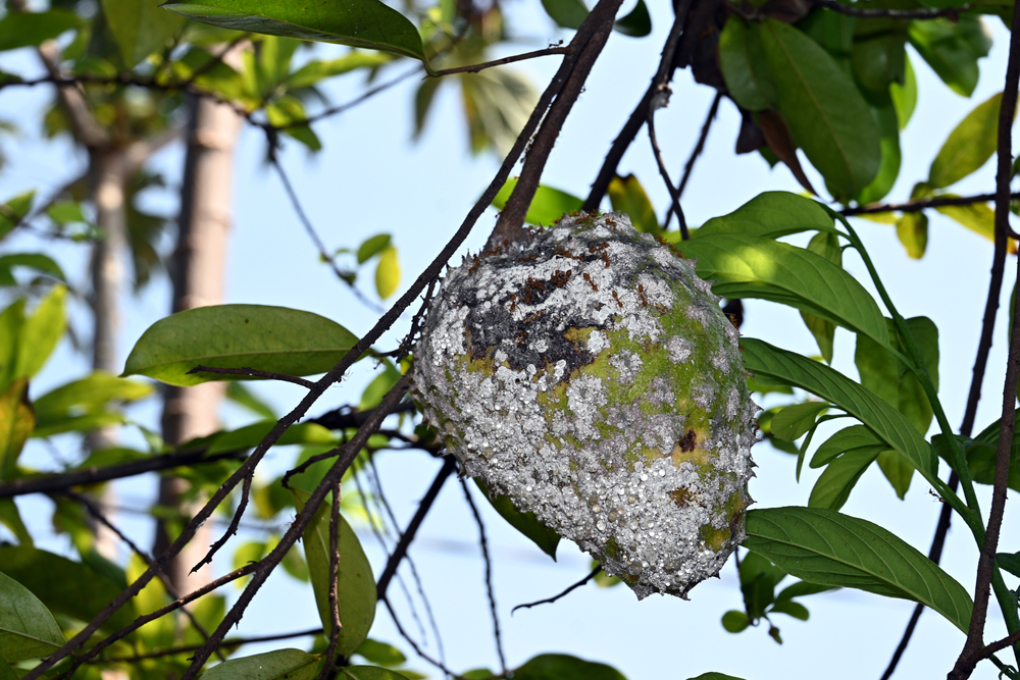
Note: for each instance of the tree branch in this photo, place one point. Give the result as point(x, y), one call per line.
point(475, 68)
point(916, 206)
point(853, 10)
point(713, 110)
point(554, 598)
point(489, 590)
point(254, 373)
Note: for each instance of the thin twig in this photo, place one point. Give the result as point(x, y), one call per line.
point(253, 372)
point(334, 574)
point(299, 210)
point(171, 590)
point(853, 10)
point(713, 110)
point(184, 649)
point(673, 193)
point(475, 68)
point(414, 645)
point(916, 206)
point(986, 561)
point(554, 598)
point(489, 590)
point(449, 465)
point(987, 651)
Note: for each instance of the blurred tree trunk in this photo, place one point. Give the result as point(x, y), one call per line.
point(198, 273)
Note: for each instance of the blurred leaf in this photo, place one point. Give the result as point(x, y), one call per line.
point(280, 664)
point(884, 420)
point(878, 55)
point(791, 608)
point(239, 394)
point(715, 676)
point(380, 653)
point(497, 103)
point(825, 547)
point(27, 628)
point(139, 28)
point(889, 169)
point(1008, 562)
point(65, 587)
point(11, 518)
point(43, 264)
point(912, 231)
point(969, 145)
point(547, 207)
point(369, 673)
point(827, 116)
point(85, 396)
point(250, 436)
point(16, 424)
point(274, 339)
point(379, 387)
point(952, 49)
point(66, 212)
point(15, 209)
point(753, 267)
point(287, 110)
point(566, 13)
point(30, 29)
point(825, 244)
point(735, 621)
point(355, 583)
point(604, 580)
point(367, 24)
point(847, 439)
point(41, 332)
point(792, 422)
point(978, 217)
point(525, 522)
point(904, 97)
point(387, 273)
point(637, 23)
point(564, 667)
point(628, 196)
point(372, 246)
point(742, 62)
point(833, 487)
point(314, 71)
point(887, 376)
point(423, 98)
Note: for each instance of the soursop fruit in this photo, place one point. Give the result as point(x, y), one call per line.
point(593, 379)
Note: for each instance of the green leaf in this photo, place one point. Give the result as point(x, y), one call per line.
point(16, 424)
point(754, 267)
point(794, 421)
point(43, 264)
point(952, 49)
point(66, 212)
point(139, 28)
point(827, 116)
point(715, 676)
point(249, 436)
point(564, 667)
point(11, 518)
point(878, 54)
point(372, 246)
point(27, 628)
point(286, 111)
point(281, 664)
point(12, 320)
point(266, 338)
point(847, 439)
point(566, 13)
point(904, 97)
point(886, 375)
point(387, 273)
point(89, 395)
point(547, 207)
point(367, 24)
point(314, 71)
point(525, 522)
point(969, 145)
point(15, 209)
point(637, 23)
point(65, 587)
point(30, 29)
point(380, 653)
point(239, 394)
point(369, 673)
point(735, 621)
point(742, 61)
point(791, 608)
point(889, 169)
point(355, 583)
point(826, 244)
point(912, 231)
point(628, 196)
point(41, 332)
point(840, 477)
point(771, 214)
point(884, 420)
point(1010, 563)
point(897, 470)
point(978, 217)
point(825, 547)
point(802, 589)
point(379, 387)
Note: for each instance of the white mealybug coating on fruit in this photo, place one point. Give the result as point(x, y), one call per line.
point(593, 379)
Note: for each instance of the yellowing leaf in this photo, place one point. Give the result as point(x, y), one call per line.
point(387, 273)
